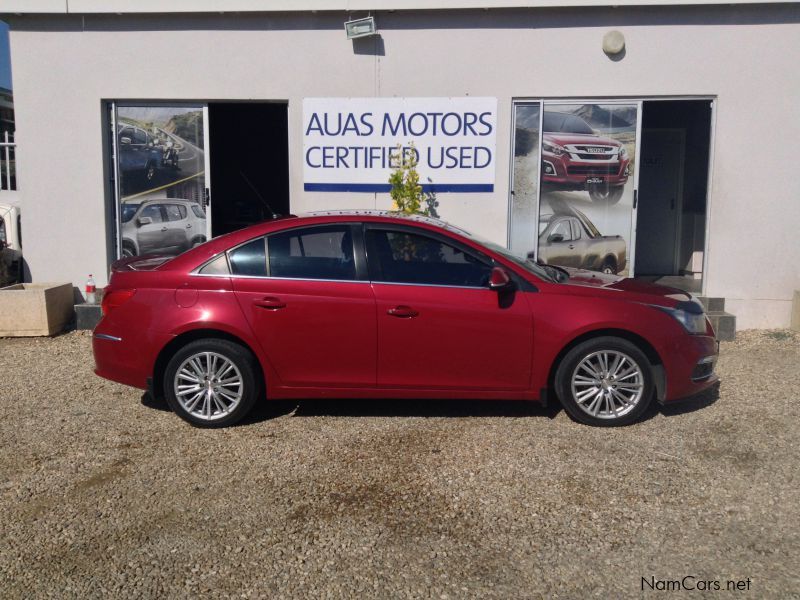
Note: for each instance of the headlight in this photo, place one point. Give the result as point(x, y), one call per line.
point(691, 321)
point(554, 148)
point(623, 152)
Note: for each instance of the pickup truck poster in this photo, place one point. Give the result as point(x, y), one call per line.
point(161, 166)
point(586, 199)
point(349, 143)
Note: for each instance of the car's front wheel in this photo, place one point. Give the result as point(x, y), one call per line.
point(606, 194)
point(605, 382)
point(212, 382)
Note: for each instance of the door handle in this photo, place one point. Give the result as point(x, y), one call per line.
point(270, 303)
point(163, 229)
point(402, 312)
point(188, 226)
point(572, 246)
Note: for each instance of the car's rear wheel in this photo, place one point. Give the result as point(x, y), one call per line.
point(605, 382)
point(212, 382)
point(609, 267)
point(606, 194)
point(128, 250)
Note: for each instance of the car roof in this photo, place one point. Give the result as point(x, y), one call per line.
point(199, 255)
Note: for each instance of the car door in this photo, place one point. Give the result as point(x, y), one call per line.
point(151, 229)
point(178, 226)
point(560, 246)
point(310, 305)
point(439, 325)
point(580, 245)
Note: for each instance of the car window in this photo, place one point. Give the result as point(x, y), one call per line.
point(405, 257)
point(218, 266)
point(576, 229)
point(2, 232)
point(153, 211)
point(139, 137)
point(249, 259)
point(313, 253)
point(175, 212)
point(127, 211)
point(562, 228)
point(198, 212)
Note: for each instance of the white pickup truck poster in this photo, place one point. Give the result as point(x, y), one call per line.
point(351, 144)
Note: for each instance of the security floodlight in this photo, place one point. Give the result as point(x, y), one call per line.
point(359, 28)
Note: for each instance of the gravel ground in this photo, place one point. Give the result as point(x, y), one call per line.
point(103, 493)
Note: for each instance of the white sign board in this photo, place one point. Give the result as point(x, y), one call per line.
point(348, 143)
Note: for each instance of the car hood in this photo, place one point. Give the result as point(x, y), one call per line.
point(579, 138)
point(647, 292)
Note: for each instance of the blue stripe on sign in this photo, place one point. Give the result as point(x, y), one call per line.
point(385, 187)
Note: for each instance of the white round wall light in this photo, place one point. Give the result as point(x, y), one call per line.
point(613, 42)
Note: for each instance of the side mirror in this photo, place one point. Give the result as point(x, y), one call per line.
point(144, 221)
point(499, 279)
point(125, 140)
point(555, 237)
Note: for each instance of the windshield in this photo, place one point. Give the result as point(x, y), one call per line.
point(528, 265)
point(127, 212)
point(555, 122)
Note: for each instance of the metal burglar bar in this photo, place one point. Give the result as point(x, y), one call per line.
point(8, 175)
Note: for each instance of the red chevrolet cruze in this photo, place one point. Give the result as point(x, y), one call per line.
point(375, 305)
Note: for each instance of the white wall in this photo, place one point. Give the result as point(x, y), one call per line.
point(746, 56)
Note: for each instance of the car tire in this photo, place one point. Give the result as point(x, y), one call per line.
point(608, 195)
point(609, 267)
point(212, 383)
point(613, 396)
point(128, 250)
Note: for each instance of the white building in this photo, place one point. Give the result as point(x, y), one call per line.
point(671, 124)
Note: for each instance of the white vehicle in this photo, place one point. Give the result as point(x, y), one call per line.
point(161, 226)
point(10, 244)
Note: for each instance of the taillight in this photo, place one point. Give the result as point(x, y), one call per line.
point(114, 298)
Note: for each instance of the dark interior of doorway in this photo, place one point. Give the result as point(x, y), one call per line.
point(672, 192)
point(249, 150)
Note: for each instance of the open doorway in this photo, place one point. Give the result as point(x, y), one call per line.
point(672, 191)
point(249, 163)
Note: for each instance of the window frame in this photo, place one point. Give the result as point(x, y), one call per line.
point(359, 255)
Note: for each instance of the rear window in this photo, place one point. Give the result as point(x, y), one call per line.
point(218, 266)
point(249, 259)
point(313, 253)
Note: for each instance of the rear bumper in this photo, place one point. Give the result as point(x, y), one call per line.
point(687, 366)
point(126, 356)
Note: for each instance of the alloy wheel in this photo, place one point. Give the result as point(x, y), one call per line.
point(607, 384)
point(208, 386)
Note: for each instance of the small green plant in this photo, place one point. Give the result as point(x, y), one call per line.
point(406, 190)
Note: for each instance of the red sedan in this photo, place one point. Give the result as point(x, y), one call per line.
point(375, 305)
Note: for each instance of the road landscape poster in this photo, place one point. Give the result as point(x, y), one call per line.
point(351, 144)
point(161, 165)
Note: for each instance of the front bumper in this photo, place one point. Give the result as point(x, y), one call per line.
point(689, 364)
point(565, 171)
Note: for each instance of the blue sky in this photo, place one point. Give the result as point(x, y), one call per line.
point(5, 61)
